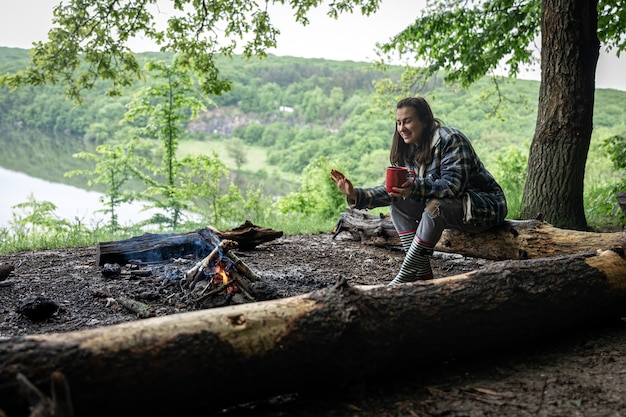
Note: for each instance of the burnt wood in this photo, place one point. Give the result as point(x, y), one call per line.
point(205, 360)
point(515, 239)
point(151, 247)
point(248, 236)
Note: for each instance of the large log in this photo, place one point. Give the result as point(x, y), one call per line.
point(151, 247)
point(206, 360)
point(515, 239)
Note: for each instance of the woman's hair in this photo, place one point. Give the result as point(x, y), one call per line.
point(419, 153)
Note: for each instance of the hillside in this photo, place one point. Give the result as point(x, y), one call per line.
point(295, 111)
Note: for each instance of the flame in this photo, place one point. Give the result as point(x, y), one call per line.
point(221, 276)
point(222, 272)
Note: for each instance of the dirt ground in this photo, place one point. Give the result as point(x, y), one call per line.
point(584, 375)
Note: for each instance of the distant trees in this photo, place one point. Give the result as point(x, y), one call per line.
point(113, 168)
point(257, 90)
point(465, 39)
point(89, 41)
point(237, 151)
point(172, 186)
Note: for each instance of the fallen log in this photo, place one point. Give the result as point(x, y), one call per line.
point(248, 236)
point(515, 239)
point(152, 247)
point(210, 359)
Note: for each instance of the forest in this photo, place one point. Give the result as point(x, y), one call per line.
point(285, 115)
point(208, 132)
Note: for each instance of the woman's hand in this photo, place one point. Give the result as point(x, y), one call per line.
point(402, 191)
point(343, 184)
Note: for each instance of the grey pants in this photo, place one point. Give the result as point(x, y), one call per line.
point(447, 213)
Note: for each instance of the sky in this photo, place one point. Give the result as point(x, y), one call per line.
point(351, 37)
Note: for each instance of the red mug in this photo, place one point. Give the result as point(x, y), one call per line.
point(396, 176)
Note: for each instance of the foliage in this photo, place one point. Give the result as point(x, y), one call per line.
point(200, 182)
point(602, 209)
point(89, 40)
point(97, 119)
point(34, 223)
point(114, 168)
point(35, 226)
point(602, 198)
point(317, 195)
point(38, 217)
point(511, 174)
point(236, 150)
point(612, 24)
point(466, 40)
point(357, 134)
point(470, 39)
point(258, 206)
point(615, 147)
point(164, 109)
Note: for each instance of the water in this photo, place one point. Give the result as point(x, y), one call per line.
point(72, 202)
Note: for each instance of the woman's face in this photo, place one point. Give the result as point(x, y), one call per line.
point(408, 125)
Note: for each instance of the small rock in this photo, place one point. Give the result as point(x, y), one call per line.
point(37, 308)
point(111, 270)
point(5, 271)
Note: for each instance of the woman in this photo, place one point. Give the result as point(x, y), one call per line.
point(452, 188)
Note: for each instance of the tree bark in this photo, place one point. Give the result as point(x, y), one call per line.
point(558, 152)
point(206, 360)
point(621, 200)
point(529, 239)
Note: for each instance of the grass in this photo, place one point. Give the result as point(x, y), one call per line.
point(256, 156)
point(256, 163)
point(76, 235)
point(63, 235)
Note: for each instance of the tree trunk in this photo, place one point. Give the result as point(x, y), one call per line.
point(206, 360)
point(556, 162)
point(529, 239)
point(621, 200)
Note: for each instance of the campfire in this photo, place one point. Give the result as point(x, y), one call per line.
point(219, 273)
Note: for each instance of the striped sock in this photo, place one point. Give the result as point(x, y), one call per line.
point(406, 238)
point(416, 265)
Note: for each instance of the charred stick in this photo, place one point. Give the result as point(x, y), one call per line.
point(59, 404)
point(199, 276)
point(142, 310)
point(202, 265)
point(241, 266)
point(243, 285)
point(216, 290)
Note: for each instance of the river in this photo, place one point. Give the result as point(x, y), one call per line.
point(72, 202)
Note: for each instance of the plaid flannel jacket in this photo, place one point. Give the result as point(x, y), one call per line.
point(455, 171)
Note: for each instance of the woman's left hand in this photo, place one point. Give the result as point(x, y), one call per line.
point(403, 191)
